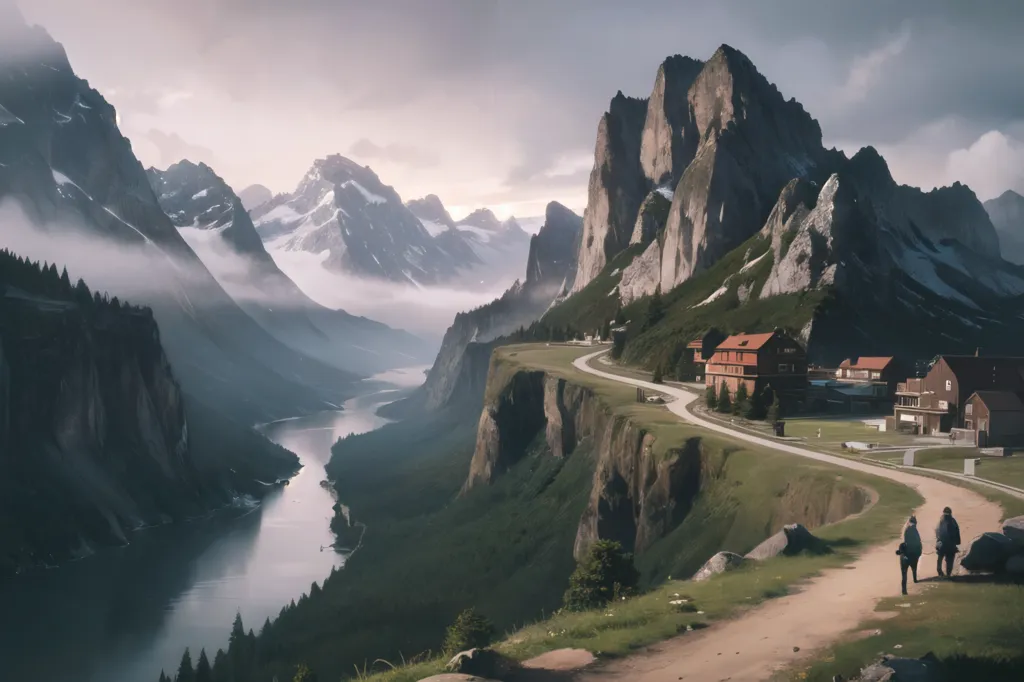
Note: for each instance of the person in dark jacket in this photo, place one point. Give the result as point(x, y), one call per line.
point(910, 551)
point(947, 537)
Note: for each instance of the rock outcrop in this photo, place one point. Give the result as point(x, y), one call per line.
point(483, 663)
point(669, 139)
point(1012, 528)
point(617, 187)
point(432, 214)
point(718, 564)
point(640, 278)
point(988, 552)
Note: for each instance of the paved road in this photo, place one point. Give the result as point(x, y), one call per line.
point(757, 644)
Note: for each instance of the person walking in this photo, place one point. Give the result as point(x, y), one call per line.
point(910, 550)
point(947, 537)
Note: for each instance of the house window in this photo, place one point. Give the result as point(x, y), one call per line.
point(949, 385)
point(969, 409)
point(968, 424)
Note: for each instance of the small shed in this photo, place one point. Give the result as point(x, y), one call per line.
point(996, 417)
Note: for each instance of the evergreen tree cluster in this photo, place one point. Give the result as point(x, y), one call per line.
point(542, 331)
point(42, 279)
point(606, 573)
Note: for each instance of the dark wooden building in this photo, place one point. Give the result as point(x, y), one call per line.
point(758, 361)
point(936, 402)
point(996, 417)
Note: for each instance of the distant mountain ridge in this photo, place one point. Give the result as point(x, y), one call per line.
point(1007, 214)
point(207, 210)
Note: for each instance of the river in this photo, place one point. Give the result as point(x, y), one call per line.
point(124, 614)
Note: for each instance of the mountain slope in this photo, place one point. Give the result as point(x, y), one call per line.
point(254, 195)
point(767, 228)
point(460, 368)
point(214, 222)
point(95, 435)
point(73, 178)
point(345, 210)
point(1007, 214)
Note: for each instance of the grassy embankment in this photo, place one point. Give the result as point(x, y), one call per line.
point(753, 492)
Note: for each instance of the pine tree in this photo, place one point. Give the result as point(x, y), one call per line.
point(221, 667)
point(618, 346)
point(740, 405)
point(684, 369)
point(710, 398)
point(755, 407)
point(185, 671)
point(606, 330)
point(658, 376)
point(164, 678)
point(655, 309)
point(774, 410)
point(65, 282)
point(724, 401)
point(204, 673)
point(604, 574)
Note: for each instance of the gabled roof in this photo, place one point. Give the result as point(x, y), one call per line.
point(745, 341)
point(873, 363)
point(996, 373)
point(1000, 401)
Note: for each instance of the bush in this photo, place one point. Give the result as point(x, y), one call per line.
point(774, 413)
point(724, 401)
point(304, 674)
point(605, 574)
point(755, 407)
point(469, 631)
point(710, 399)
point(740, 405)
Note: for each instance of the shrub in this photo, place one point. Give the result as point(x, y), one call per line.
point(740, 405)
point(710, 399)
point(724, 401)
point(469, 631)
point(605, 574)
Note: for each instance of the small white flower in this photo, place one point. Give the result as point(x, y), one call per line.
point(700, 613)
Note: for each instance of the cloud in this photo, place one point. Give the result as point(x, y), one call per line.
point(990, 165)
point(406, 155)
point(171, 149)
point(867, 69)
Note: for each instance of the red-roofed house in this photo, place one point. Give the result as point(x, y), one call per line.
point(760, 360)
point(883, 373)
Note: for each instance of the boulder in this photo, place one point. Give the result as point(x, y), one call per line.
point(1014, 529)
point(720, 563)
point(988, 552)
point(486, 663)
point(1015, 565)
point(892, 669)
point(792, 539)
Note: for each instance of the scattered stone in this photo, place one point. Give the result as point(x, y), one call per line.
point(988, 553)
point(792, 539)
point(1014, 529)
point(486, 663)
point(893, 669)
point(720, 563)
point(796, 649)
point(560, 659)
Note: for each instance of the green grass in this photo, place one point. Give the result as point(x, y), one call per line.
point(1007, 470)
point(834, 432)
point(752, 492)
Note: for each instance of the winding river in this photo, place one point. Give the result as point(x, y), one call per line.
point(125, 613)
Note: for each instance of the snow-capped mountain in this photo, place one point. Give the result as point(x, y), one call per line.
point(212, 219)
point(359, 225)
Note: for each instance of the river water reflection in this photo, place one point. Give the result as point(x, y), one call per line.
point(126, 613)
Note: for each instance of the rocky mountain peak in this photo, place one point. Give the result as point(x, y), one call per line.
point(483, 218)
point(432, 213)
point(254, 195)
point(1007, 214)
point(667, 146)
point(552, 257)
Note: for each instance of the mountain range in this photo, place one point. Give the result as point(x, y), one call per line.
point(1007, 214)
point(215, 223)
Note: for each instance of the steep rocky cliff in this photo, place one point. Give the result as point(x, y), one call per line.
point(642, 490)
point(669, 139)
point(460, 368)
point(617, 187)
point(96, 441)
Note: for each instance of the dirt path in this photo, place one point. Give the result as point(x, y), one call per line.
point(763, 640)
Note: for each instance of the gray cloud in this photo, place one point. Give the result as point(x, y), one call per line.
point(505, 88)
point(408, 155)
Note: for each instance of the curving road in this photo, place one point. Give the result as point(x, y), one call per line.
point(762, 641)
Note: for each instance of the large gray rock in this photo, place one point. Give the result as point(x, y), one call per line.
point(486, 663)
point(718, 564)
point(1015, 565)
point(640, 278)
point(891, 669)
point(455, 677)
point(792, 539)
point(988, 553)
point(1014, 529)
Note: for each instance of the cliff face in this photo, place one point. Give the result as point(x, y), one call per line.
point(668, 141)
point(640, 492)
point(1007, 214)
point(617, 186)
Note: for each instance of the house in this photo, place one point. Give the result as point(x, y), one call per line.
point(701, 349)
point(936, 402)
point(882, 374)
point(757, 361)
point(996, 417)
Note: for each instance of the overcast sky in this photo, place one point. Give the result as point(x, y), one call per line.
point(496, 102)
